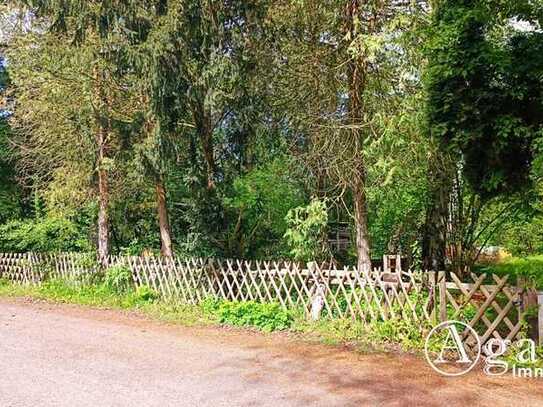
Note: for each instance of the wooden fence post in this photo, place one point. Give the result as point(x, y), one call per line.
point(442, 282)
point(540, 317)
point(530, 300)
point(432, 287)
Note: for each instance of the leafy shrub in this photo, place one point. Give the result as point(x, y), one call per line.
point(145, 293)
point(260, 200)
point(42, 235)
point(522, 237)
point(530, 268)
point(403, 332)
point(118, 279)
point(306, 232)
point(268, 317)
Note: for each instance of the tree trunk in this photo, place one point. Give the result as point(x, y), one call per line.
point(434, 242)
point(163, 220)
point(204, 128)
point(361, 226)
point(103, 196)
point(102, 142)
point(434, 250)
point(207, 146)
point(356, 69)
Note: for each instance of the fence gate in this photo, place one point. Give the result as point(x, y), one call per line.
point(487, 303)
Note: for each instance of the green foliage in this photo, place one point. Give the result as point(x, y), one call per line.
point(485, 92)
point(306, 232)
point(398, 216)
point(376, 335)
point(408, 335)
point(521, 228)
point(10, 206)
point(265, 316)
point(530, 268)
point(118, 279)
point(145, 293)
point(260, 201)
point(221, 107)
point(143, 300)
point(524, 238)
point(397, 179)
point(134, 220)
point(42, 235)
point(9, 190)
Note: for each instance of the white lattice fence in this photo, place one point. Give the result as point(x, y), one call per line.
point(346, 292)
point(33, 268)
point(489, 304)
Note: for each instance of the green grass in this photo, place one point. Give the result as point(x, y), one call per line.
point(100, 295)
point(381, 336)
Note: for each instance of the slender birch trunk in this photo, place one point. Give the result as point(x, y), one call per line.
point(103, 197)
point(163, 219)
point(102, 142)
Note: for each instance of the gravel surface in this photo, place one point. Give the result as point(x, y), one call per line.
point(64, 355)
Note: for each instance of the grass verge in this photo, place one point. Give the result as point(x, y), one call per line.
point(142, 300)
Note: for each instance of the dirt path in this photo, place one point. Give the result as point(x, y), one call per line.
point(61, 355)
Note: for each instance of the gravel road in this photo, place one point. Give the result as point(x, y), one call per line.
point(63, 355)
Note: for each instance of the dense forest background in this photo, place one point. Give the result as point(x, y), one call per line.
point(306, 129)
